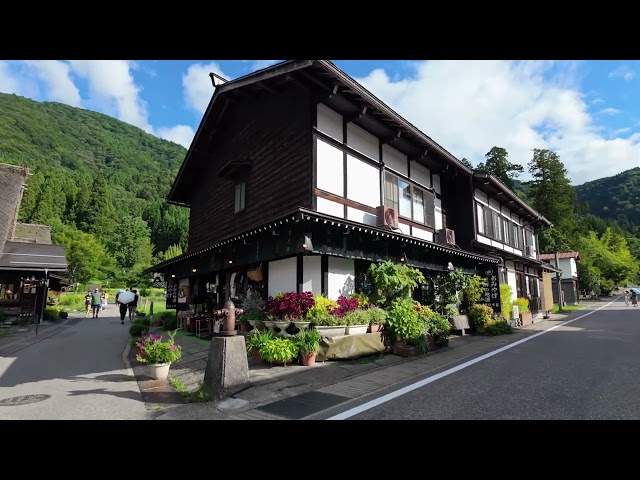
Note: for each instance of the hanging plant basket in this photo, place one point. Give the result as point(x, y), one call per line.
point(255, 274)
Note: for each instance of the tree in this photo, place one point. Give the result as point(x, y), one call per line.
point(552, 195)
point(467, 163)
point(498, 165)
point(130, 244)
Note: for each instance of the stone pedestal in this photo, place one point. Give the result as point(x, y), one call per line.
point(227, 369)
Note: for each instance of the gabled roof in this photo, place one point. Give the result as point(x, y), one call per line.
point(561, 255)
point(322, 74)
point(33, 256)
point(503, 189)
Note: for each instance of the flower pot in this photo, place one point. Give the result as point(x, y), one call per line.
point(526, 319)
point(375, 328)
point(283, 326)
point(255, 323)
point(302, 325)
point(401, 349)
point(257, 358)
point(331, 331)
point(245, 327)
point(357, 329)
point(159, 371)
point(309, 360)
point(270, 325)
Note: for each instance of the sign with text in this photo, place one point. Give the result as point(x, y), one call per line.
point(172, 295)
point(492, 293)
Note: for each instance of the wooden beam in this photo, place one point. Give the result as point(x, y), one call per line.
point(359, 114)
point(267, 88)
point(394, 138)
point(422, 156)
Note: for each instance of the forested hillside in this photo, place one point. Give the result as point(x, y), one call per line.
point(99, 182)
point(616, 198)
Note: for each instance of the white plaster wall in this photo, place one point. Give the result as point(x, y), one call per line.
point(329, 122)
point(423, 234)
point(363, 182)
point(404, 228)
point(329, 207)
point(483, 239)
point(340, 279)
point(282, 276)
point(438, 213)
point(573, 267)
point(569, 268)
point(329, 168)
point(363, 142)
point(511, 280)
point(311, 274)
point(436, 183)
point(420, 174)
point(394, 159)
point(360, 216)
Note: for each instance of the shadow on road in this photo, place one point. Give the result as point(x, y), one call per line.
point(151, 397)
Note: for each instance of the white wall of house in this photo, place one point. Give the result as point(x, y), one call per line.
point(340, 277)
point(282, 276)
point(568, 266)
point(311, 274)
point(364, 179)
point(511, 279)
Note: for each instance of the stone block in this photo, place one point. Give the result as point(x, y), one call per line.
point(227, 370)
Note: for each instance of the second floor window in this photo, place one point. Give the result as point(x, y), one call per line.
point(408, 200)
point(240, 195)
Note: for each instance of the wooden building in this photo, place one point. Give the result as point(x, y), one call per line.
point(567, 262)
point(298, 178)
point(29, 263)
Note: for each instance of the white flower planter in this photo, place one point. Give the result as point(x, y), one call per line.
point(255, 323)
point(282, 326)
point(301, 325)
point(270, 325)
point(332, 331)
point(159, 371)
point(357, 329)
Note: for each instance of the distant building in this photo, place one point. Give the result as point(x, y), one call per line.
point(568, 263)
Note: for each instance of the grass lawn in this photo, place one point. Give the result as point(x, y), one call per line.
point(567, 308)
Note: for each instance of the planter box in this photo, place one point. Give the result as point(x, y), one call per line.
point(332, 331)
point(526, 319)
point(401, 349)
point(357, 329)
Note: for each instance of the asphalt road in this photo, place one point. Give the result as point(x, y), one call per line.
point(588, 369)
point(81, 370)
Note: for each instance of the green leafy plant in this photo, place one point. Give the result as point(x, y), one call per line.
point(498, 326)
point(363, 300)
point(138, 329)
point(142, 321)
point(474, 289)
point(480, 314)
point(279, 349)
point(357, 317)
point(435, 324)
point(153, 350)
point(377, 316)
point(322, 307)
point(403, 320)
point(257, 339)
point(308, 342)
point(328, 320)
point(394, 280)
point(523, 304)
point(505, 300)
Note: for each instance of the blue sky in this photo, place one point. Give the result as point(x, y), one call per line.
point(586, 111)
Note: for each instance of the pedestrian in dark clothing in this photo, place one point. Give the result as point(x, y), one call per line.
point(123, 309)
point(133, 305)
point(96, 302)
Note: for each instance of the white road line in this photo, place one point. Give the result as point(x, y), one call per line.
point(409, 388)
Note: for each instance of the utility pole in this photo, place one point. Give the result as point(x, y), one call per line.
point(559, 279)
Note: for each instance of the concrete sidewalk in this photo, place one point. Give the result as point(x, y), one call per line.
point(297, 392)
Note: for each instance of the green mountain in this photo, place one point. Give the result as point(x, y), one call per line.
point(94, 175)
point(614, 198)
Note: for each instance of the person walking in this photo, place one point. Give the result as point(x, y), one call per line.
point(122, 307)
point(627, 297)
point(133, 305)
point(87, 304)
point(96, 302)
point(634, 299)
point(105, 300)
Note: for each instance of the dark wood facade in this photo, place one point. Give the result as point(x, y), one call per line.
point(268, 136)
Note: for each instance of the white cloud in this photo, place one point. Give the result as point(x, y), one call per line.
point(470, 106)
point(8, 83)
point(621, 131)
point(113, 87)
point(623, 72)
point(55, 75)
point(597, 101)
point(610, 111)
point(260, 64)
point(197, 85)
point(180, 134)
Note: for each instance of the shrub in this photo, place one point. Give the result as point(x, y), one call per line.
point(143, 321)
point(257, 339)
point(363, 300)
point(290, 304)
point(322, 307)
point(505, 300)
point(151, 349)
point(308, 342)
point(357, 317)
point(377, 316)
point(145, 292)
point(169, 320)
point(498, 326)
point(435, 324)
point(523, 304)
point(138, 329)
point(51, 313)
point(480, 314)
point(345, 305)
point(403, 320)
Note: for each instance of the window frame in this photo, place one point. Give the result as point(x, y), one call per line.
point(392, 199)
point(240, 197)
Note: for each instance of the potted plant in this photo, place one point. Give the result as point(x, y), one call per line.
point(404, 325)
point(308, 343)
point(279, 351)
point(523, 310)
point(377, 319)
point(253, 305)
point(480, 316)
point(357, 322)
point(158, 354)
point(256, 340)
point(437, 328)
